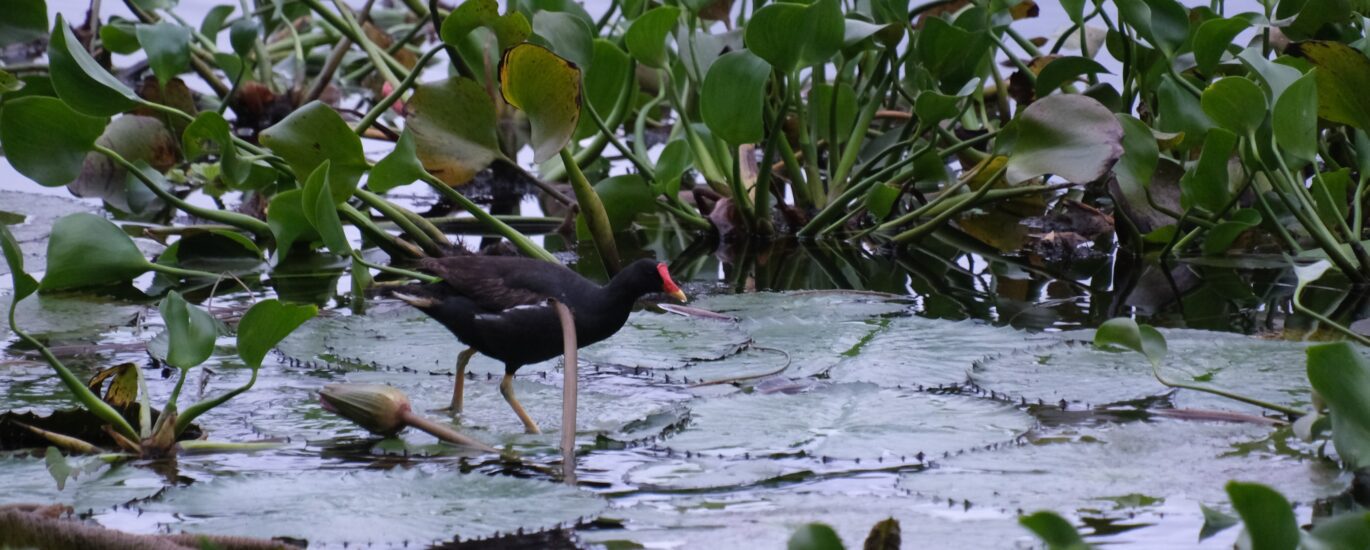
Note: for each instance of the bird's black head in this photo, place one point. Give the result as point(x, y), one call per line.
point(648, 275)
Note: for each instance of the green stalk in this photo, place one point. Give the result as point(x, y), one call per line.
point(519, 240)
point(395, 270)
point(380, 107)
point(1298, 306)
point(87, 398)
point(391, 245)
point(333, 20)
point(375, 54)
point(192, 412)
point(1290, 412)
point(703, 157)
point(937, 221)
point(396, 214)
point(858, 134)
point(181, 272)
point(247, 223)
point(596, 218)
point(837, 206)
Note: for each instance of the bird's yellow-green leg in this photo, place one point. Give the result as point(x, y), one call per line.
point(459, 387)
point(506, 388)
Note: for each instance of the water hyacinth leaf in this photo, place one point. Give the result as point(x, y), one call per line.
point(210, 127)
point(1277, 76)
point(791, 35)
point(1163, 23)
point(1215, 522)
point(1207, 186)
point(953, 55)
point(1221, 236)
point(1343, 75)
point(1267, 515)
point(607, 81)
point(120, 36)
point(414, 503)
point(1325, 187)
point(1343, 531)
point(86, 250)
point(142, 140)
point(509, 29)
point(1214, 36)
point(322, 213)
point(242, 35)
point(24, 21)
point(313, 134)
point(814, 536)
point(646, 36)
point(855, 31)
point(880, 200)
point(932, 107)
point(1071, 136)
point(1295, 120)
point(1342, 377)
point(454, 128)
point(191, 332)
point(566, 35)
point(288, 224)
point(266, 324)
point(400, 167)
point(80, 80)
point(1180, 112)
point(1063, 70)
point(827, 109)
point(1054, 530)
point(214, 20)
point(1236, 104)
point(46, 140)
point(675, 159)
point(733, 96)
point(23, 283)
point(1306, 274)
point(547, 89)
point(58, 467)
point(1127, 333)
point(1140, 157)
point(168, 49)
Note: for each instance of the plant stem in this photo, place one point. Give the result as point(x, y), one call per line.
point(519, 240)
point(396, 214)
point(181, 272)
point(596, 218)
point(379, 108)
point(395, 270)
point(247, 223)
point(443, 432)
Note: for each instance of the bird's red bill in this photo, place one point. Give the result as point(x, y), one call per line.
point(667, 285)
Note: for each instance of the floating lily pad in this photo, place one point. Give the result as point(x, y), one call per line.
point(68, 317)
point(853, 421)
point(665, 341)
point(1090, 469)
point(1271, 370)
point(26, 480)
point(913, 351)
point(699, 473)
point(380, 507)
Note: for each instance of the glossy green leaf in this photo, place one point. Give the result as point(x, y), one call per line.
point(23, 283)
point(675, 159)
point(400, 167)
point(509, 29)
point(1347, 531)
point(1235, 103)
point(168, 49)
point(814, 536)
point(789, 35)
point(1342, 377)
point(1063, 70)
point(214, 20)
point(288, 224)
point(243, 34)
point(827, 109)
point(322, 213)
point(314, 134)
point(646, 36)
point(566, 35)
point(1138, 163)
point(933, 107)
point(120, 36)
point(46, 140)
point(1329, 190)
point(547, 89)
point(23, 21)
point(625, 197)
point(733, 96)
point(1222, 235)
point(607, 80)
point(1267, 515)
point(1071, 136)
point(1343, 76)
point(1054, 531)
point(1295, 121)
point(1277, 76)
point(1215, 522)
point(1163, 23)
point(1127, 333)
point(1214, 37)
point(454, 128)
point(1206, 185)
point(210, 128)
point(86, 250)
point(80, 80)
point(266, 324)
point(191, 332)
point(880, 200)
point(856, 31)
point(953, 55)
point(1180, 112)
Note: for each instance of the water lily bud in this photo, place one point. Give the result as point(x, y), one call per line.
point(377, 407)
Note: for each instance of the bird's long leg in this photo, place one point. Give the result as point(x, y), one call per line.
point(458, 388)
point(506, 388)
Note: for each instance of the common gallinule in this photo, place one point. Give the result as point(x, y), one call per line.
point(499, 306)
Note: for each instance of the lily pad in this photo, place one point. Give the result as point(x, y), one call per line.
point(852, 421)
point(1079, 373)
point(662, 341)
point(1089, 469)
point(381, 507)
point(913, 351)
point(27, 481)
point(68, 317)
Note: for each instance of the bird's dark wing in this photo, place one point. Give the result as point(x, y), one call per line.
point(493, 283)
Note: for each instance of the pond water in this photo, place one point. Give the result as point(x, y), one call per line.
point(951, 387)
